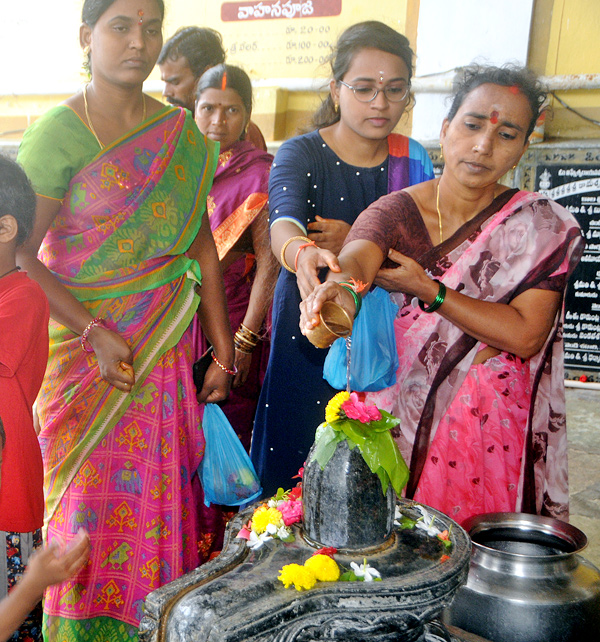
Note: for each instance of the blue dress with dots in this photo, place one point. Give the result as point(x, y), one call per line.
point(309, 179)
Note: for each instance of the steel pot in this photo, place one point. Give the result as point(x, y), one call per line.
point(526, 582)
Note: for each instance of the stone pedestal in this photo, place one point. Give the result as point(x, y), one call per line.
point(237, 597)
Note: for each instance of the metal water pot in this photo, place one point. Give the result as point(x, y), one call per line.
point(527, 583)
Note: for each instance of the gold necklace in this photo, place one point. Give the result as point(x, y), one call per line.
point(437, 205)
point(89, 120)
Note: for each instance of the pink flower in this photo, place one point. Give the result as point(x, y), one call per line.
point(291, 511)
point(355, 409)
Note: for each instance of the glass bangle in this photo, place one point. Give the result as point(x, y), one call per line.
point(355, 295)
point(437, 302)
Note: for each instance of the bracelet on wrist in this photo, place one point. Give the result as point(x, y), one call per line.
point(223, 367)
point(246, 331)
point(284, 248)
point(302, 247)
point(357, 298)
point(437, 302)
point(83, 339)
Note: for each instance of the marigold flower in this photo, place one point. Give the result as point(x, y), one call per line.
point(302, 578)
point(264, 516)
point(325, 568)
point(333, 409)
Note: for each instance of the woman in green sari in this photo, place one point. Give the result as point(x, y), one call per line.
point(125, 255)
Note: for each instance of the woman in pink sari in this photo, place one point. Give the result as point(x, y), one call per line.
point(239, 219)
point(126, 258)
point(479, 273)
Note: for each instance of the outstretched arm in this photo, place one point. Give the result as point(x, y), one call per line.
point(50, 565)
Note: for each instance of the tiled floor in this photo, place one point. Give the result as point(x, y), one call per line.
point(583, 429)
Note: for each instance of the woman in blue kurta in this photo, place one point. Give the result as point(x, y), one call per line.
point(319, 184)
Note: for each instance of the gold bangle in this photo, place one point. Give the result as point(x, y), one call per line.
point(241, 348)
point(284, 248)
point(245, 330)
point(245, 340)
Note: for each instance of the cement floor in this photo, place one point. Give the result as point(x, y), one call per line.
point(583, 429)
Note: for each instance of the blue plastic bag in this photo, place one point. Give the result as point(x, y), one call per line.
point(374, 357)
point(226, 472)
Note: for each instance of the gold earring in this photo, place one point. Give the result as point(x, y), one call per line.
point(441, 152)
point(86, 50)
point(515, 166)
point(336, 108)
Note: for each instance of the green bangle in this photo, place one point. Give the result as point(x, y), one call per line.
point(357, 297)
point(437, 302)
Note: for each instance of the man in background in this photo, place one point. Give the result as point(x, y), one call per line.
point(184, 58)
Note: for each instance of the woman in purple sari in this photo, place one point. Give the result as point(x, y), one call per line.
point(239, 219)
point(479, 272)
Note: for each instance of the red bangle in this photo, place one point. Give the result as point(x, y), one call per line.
point(223, 367)
point(85, 344)
point(300, 250)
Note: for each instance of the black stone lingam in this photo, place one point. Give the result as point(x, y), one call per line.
point(344, 503)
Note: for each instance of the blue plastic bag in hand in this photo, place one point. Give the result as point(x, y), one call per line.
point(374, 357)
point(226, 472)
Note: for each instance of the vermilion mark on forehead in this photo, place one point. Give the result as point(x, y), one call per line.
point(494, 117)
point(514, 89)
point(141, 16)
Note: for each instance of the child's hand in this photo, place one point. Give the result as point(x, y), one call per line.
point(55, 563)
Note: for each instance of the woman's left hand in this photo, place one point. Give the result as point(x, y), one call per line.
point(409, 277)
point(242, 363)
point(217, 384)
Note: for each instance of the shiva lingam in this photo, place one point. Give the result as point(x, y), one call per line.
point(237, 597)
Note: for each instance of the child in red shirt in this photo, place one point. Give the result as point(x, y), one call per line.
point(23, 355)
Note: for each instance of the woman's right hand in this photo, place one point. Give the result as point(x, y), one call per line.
point(216, 386)
point(310, 261)
point(115, 357)
point(312, 304)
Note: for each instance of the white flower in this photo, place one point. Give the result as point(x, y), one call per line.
point(283, 532)
point(272, 503)
point(256, 541)
point(397, 516)
point(368, 573)
point(426, 522)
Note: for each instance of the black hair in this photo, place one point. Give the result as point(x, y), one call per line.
point(370, 34)
point(235, 78)
point(200, 46)
point(17, 198)
point(93, 10)
point(509, 75)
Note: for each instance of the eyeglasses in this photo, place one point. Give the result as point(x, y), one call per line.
point(366, 93)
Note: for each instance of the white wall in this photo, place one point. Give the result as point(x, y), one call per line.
point(454, 33)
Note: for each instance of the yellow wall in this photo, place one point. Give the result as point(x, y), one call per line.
point(564, 41)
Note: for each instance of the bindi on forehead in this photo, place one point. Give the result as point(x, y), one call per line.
point(494, 117)
point(140, 16)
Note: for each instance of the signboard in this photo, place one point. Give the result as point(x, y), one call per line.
point(571, 177)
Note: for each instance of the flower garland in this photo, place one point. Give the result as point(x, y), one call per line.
point(367, 428)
